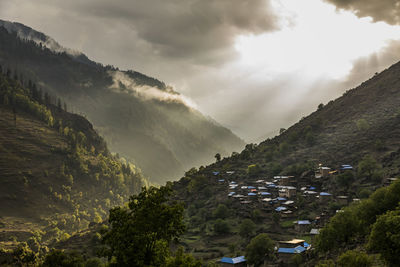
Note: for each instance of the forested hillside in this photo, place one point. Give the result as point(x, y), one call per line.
point(359, 130)
point(140, 117)
point(57, 175)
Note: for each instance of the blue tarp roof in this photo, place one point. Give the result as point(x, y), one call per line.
point(303, 222)
point(215, 173)
point(233, 260)
point(265, 193)
point(312, 188)
point(232, 182)
point(306, 245)
point(298, 249)
point(280, 208)
point(286, 250)
point(325, 194)
point(221, 180)
point(251, 187)
point(252, 194)
point(272, 185)
point(281, 198)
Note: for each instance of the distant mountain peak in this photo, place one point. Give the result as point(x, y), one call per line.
point(27, 33)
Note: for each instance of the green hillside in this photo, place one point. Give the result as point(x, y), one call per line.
point(56, 173)
point(140, 117)
point(361, 129)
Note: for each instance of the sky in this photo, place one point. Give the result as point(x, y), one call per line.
point(255, 66)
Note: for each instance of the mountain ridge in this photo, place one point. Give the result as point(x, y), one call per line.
point(149, 123)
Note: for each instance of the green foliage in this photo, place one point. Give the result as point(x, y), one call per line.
point(182, 259)
point(354, 258)
point(356, 220)
point(385, 237)
point(140, 235)
point(24, 256)
point(370, 168)
point(296, 260)
point(345, 179)
point(362, 125)
point(253, 170)
point(326, 263)
point(61, 259)
point(221, 212)
point(221, 227)
point(259, 249)
point(247, 228)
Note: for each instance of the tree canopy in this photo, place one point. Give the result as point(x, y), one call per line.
point(140, 234)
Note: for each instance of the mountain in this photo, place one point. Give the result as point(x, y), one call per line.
point(360, 128)
point(140, 117)
point(57, 174)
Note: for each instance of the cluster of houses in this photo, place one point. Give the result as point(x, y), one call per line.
point(279, 194)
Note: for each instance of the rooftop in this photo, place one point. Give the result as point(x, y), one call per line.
point(233, 260)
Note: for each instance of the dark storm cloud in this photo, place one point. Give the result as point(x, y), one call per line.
point(203, 30)
point(379, 10)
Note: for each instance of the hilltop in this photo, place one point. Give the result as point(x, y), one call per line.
point(57, 174)
point(140, 117)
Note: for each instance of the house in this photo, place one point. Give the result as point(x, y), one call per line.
point(314, 232)
point(237, 262)
point(342, 200)
point(279, 209)
point(346, 167)
point(287, 191)
point(324, 171)
point(303, 226)
point(230, 172)
point(215, 173)
point(324, 196)
point(292, 243)
point(285, 254)
point(284, 180)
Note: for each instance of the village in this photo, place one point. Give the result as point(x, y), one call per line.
point(280, 195)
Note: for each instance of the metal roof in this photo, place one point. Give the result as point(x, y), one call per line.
point(233, 260)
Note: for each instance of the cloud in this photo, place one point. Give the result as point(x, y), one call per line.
point(124, 84)
point(380, 10)
point(200, 31)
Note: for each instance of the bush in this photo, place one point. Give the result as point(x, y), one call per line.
point(221, 227)
point(354, 258)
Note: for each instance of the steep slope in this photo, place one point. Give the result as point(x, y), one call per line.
point(140, 117)
point(56, 174)
point(365, 121)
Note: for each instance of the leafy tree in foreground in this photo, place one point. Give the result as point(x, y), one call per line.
point(140, 235)
point(260, 248)
point(385, 237)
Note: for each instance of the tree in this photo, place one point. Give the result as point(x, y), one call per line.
point(345, 179)
point(218, 157)
point(385, 237)
point(221, 227)
point(221, 212)
point(320, 106)
point(369, 167)
point(140, 235)
point(253, 170)
point(247, 228)
point(260, 248)
point(182, 259)
point(62, 259)
point(354, 258)
point(281, 130)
